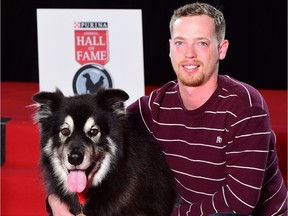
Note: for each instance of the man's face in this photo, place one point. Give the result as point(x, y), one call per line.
point(195, 51)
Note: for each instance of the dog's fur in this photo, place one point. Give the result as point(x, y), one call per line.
point(126, 169)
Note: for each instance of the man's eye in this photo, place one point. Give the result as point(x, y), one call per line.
point(65, 131)
point(179, 43)
point(202, 43)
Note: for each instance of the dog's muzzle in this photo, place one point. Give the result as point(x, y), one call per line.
point(75, 158)
point(76, 179)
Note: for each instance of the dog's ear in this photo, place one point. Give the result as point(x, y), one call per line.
point(48, 102)
point(112, 100)
point(47, 98)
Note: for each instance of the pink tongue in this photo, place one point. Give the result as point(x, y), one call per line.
point(76, 181)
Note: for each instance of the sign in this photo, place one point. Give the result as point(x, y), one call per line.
point(91, 46)
point(81, 50)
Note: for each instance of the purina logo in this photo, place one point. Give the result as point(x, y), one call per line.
point(90, 24)
point(91, 51)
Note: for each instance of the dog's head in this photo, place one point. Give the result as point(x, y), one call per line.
point(80, 139)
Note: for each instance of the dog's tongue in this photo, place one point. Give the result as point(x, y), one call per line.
point(76, 181)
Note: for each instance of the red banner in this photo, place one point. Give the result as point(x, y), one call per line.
point(91, 46)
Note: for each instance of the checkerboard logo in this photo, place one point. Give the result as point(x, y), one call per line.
point(76, 24)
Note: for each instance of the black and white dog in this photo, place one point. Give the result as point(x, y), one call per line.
point(98, 159)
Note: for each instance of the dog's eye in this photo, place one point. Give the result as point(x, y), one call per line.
point(65, 131)
point(93, 132)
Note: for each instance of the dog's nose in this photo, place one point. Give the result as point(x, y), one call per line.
point(75, 158)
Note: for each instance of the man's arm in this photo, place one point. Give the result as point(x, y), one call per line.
point(246, 159)
point(57, 207)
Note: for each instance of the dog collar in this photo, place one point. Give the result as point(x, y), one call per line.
point(82, 197)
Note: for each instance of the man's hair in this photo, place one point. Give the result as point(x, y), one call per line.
point(196, 9)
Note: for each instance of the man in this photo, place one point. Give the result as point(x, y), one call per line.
point(214, 130)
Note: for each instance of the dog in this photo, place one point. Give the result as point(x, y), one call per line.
point(99, 159)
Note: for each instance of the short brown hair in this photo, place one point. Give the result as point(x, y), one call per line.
point(197, 8)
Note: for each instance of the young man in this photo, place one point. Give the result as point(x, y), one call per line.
point(214, 130)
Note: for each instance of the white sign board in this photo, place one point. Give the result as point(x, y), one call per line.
point(82, 49)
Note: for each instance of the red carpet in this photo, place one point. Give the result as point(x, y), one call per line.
point(22, 191)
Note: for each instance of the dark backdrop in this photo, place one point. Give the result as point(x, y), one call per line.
point(256, 29)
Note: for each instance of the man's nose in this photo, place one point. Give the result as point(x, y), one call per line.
point(190, 51)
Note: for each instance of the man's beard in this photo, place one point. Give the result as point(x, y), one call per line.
point(191, 80)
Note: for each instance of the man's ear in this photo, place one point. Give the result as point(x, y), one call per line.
point(170, 45)
point(223, 48)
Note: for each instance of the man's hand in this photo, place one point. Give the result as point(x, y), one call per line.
point(58, 208)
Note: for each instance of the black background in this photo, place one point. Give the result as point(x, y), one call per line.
point(256, 30)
